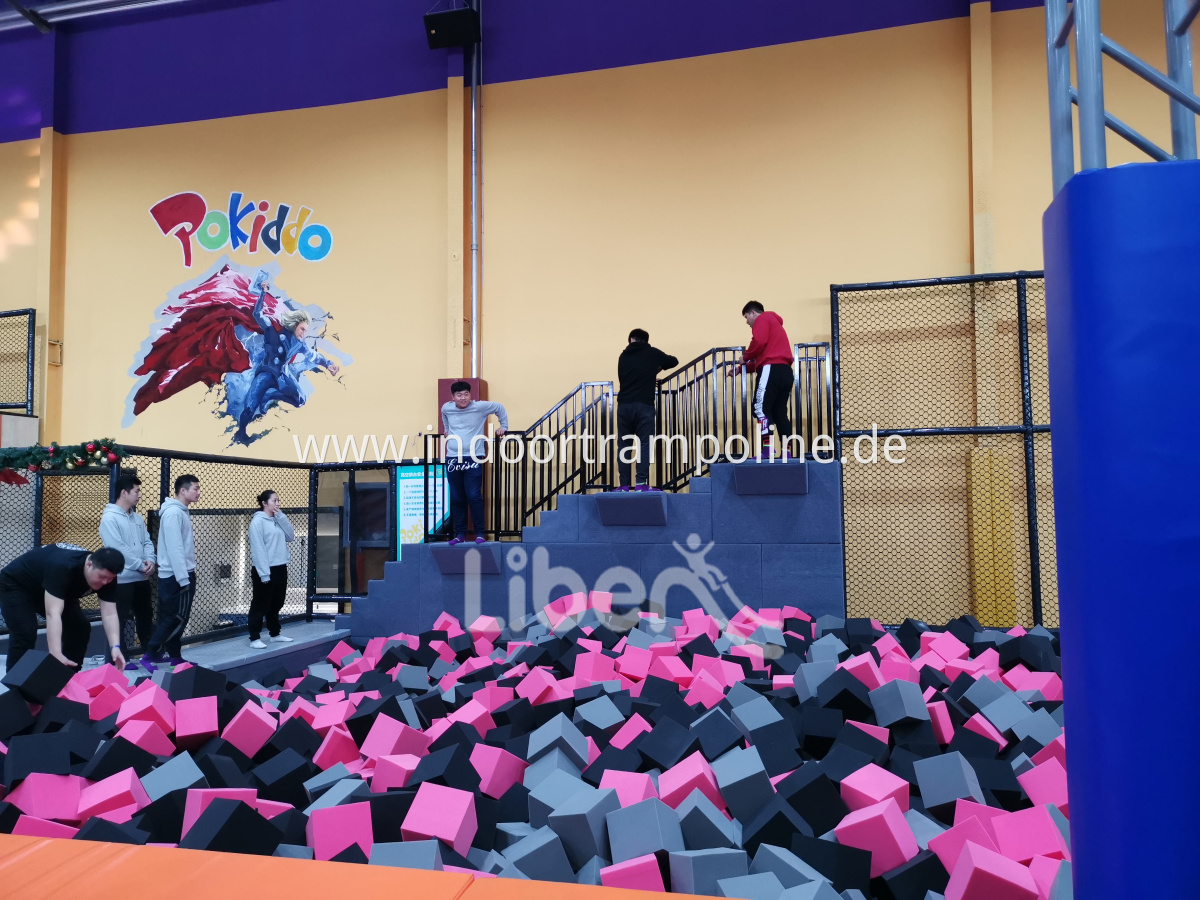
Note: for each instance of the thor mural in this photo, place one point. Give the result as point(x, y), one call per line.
point(232, 331)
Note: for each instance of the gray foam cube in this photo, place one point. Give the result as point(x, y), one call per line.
point(924, 829)
point(934, 895)
point(413, 678)
point(581, 825)
point(743, 782)
point(589, 872)
point(508, 833)
point(556, 789)
point(559, 734)
point(490, 861)
point(826, 649)
point(407, 855)
point(766, 634)
point(740, 693)
point(755, 714)
point(293, 851)
point(541, 857)
point(323, 781)
point(698, 871)
point(554, 761)
point(178, 773)
point(812, 675)
point(785, 865)
point(981, 693)
point(856, 894)
point(1063, 887)
point(827, 623)
point(601, 713)
point(704, 826)
point(1039, 725)
point(642, 828)
point(945, 779)
point(898, 701)
point(323, 670)
point(1006, 711)
point(1021, 764)
point(348, 790)
point(763, 886)
point(818, 890)
point(1061, 822)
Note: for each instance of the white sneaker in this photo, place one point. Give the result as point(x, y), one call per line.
point(281, 639)
point(258, 645)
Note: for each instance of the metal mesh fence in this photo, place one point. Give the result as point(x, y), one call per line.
point(16, 361)
point(17, 536)
point(943, 364)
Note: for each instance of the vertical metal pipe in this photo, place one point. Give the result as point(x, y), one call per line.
point(476, 76)
point(1035, 560)
point(351, 503)
point(393, 515)
point(311, 581)
point(29, 351)
point(114, 472)
point(1089, 61)
point(1058, 64)
point(164, 479)
point(38, 488)
point(1179, 69)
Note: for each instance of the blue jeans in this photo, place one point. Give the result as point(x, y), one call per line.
point(466, 488)
point(174, 610)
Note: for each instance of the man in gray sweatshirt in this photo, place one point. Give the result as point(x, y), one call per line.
point(176, 573)
point(122, 528)
point(463, 423)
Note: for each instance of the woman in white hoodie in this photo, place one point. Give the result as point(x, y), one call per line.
point(270, 534)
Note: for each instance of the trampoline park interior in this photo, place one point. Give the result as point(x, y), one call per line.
point(846, 673)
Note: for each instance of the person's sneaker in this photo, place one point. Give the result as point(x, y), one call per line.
point(645, 487)
point(281, 639)
point(455, 541)
point(177, 660)
point(133, 666)
point(258, 645)
point(481, 540)
point(151, 661)
point(623, 488)
point(764, 425)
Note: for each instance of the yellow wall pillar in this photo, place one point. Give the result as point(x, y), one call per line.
point(983, 229)
point(456, 182)
point(51, 255)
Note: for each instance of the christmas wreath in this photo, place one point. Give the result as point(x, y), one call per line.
point(56, 458)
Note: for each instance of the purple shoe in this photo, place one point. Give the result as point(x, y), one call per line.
point(455, 541)
point(176, 660)
point(481, 540)
point(132, 666)
point(644, 488)
point(622, 489)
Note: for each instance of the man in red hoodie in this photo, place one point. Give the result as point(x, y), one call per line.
point(770, 355)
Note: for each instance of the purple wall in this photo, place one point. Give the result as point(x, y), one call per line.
point(216, 58)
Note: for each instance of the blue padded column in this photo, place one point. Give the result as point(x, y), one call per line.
point(1122, 251)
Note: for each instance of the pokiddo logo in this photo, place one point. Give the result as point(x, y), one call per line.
point(248, 222)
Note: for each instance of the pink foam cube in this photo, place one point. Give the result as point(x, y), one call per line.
point(302, 709)
point(32, 826)
point(631, 787)
point(948, 845)
point(152, 705)
point(1056, 749)
point(475, 714)
point(337, 747)
point(447, 623)
point(633, 726)
point(250, 729)
point(195, 721)
point(983, 874)
point(148, 736)
point(331, 830)
point(635, 662)
point(978, 724)
point(671, 668)
point(943, 726)
point(198, 799)
point(705, 689)
point(120, 790)
point(895, 668)
point(49, 796)
point(600, 601)
point(444, 813)
point(105, 703)
point(1047, 682)
point(485, 627)
point(638, 874)
point(332, 714)
point(944, 644)
point(1044, 870)
point(388, 737)
point(393, 771)
point(596, 667)
point(987, 815)
point(493, 697)
point(882, 830)
point(498, 769)
point(1027, 833)
point(269, 809)
point(864, 669)
point(340, 651)
point(1047, 783)
point(872, 785)
point(689, 774)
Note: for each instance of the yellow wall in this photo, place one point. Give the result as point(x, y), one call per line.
point(18, 258)
point(373, 172)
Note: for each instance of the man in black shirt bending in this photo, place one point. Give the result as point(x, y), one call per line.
point(49, 581)
point(637, 372)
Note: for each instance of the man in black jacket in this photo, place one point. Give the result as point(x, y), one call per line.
point(637, 372)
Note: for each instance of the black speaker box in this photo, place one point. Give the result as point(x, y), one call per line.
point(452, 28)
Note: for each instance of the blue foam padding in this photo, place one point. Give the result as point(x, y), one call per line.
point(629, 508)
point(1122, 251)
point(810, 576)
point(556, 526)
point(812, 518)
point(455, 560)
point(700, 485)
point(686, 514)
point(670, 580)
point(771, 477)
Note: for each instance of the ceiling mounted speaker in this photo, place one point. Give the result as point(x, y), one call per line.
point(452, 28)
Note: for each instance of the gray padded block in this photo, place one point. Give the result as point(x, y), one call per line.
point(934, 895)
point(742, 693)
point(754, 714)
point(827, 623)
point(413, 678)
point(559, 733)
point(293, 851)
point(983, 692)
point(642, 828)
point(826, 649)
point(945, 779)
point(407, 855)
point(581, 825)
point(554, 761)
point(557, 788)
point(1006, 711)
point(489, 861)
point(1021, 764)
point(753, 477)
point(766, 634)
point(898, 701)
point(698, 871)
point(743, 782)
point(541, 857)
point(625, 508)
point(460, 559)
point(323, 781)
point(810, 676)
point(601, 713)
point(1039, 725)
point(323, 670)
point(818, 890)
point(812, 518)
point(347, 790)
point(1063, 887)
point(589, 872)
point(763, 886)
point(790, 869)
point(508, 833)
point(1061, 822)
point(704, 827)
point(924, 829)
point(178, 773)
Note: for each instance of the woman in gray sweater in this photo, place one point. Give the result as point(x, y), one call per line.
point(270, 534)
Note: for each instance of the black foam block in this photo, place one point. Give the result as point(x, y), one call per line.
point(909, 635)
point(232, 826)
point(853, 736)
point(117, 755)
point(28, 753)
point(997, 776)
point(352, 854)
point(282, 777)
point(196, 681)
point(295, 734)
point(717, 734)
point(15, 717)
point(518, 713)
point(668, 743)
point(621, 759)
point(450, 766)
point(972, 745)
point(387, 813)
point(775, 823)
point(844, 692)
point(97, 829)
point(164, 817)
point(913, 880)
point(821, 728)
point(459, 733)
point(220, 747)
point(674, 707)
point(292, 826)
point(38, 676)
point(847, 867)
point(815, 797)
point(514, 804)
point(222, 772)
point(842, 760)
point(8, 817)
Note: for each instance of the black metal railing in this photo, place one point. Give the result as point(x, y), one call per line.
point(958, 369)
point(17, 328)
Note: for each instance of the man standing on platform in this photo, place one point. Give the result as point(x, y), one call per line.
point(637, 376)
point(176, 573)
point(463, 423)
point(122, 528)
point(770, 355)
